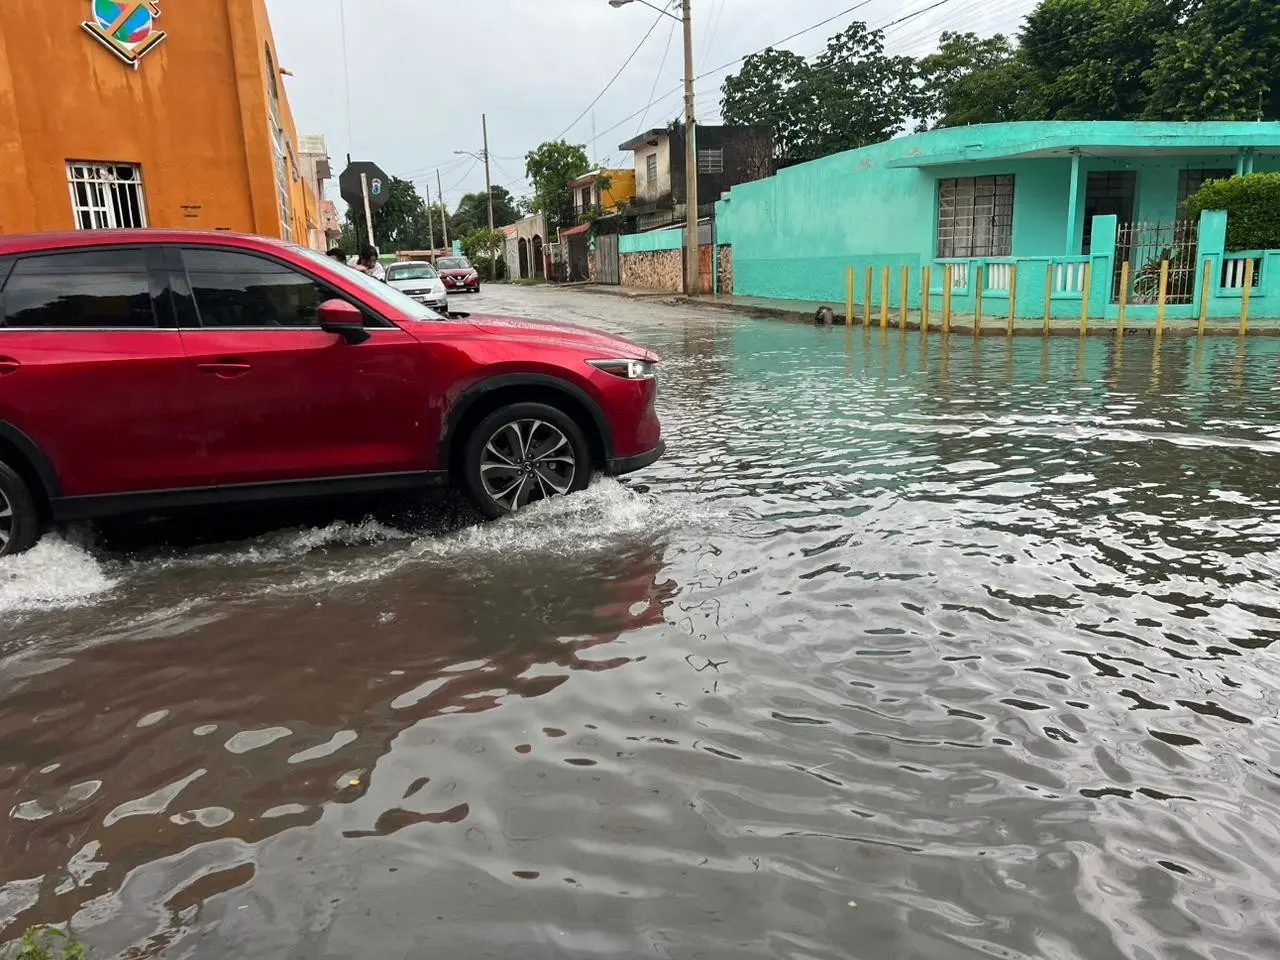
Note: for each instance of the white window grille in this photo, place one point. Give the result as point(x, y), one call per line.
point(651, 170)
point(711, 161)
point(280, 146)
point(975, 217)
point(106, 196)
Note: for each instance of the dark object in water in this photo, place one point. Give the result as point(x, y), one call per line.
point(824, 317)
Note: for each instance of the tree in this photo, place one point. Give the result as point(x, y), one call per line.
point(400, 224)
point(473, 211)
point(851, 95)
point(765, 93)
point(1089, 57)
point(1252, 204)
point(551, 167)
point(972, 79)
point(1221, 63)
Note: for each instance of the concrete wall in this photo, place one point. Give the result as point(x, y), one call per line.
point(672, 239)
point(724, 266)
point(194, 116)
point(795, 233)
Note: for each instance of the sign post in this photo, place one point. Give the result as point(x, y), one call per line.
point(365, 186)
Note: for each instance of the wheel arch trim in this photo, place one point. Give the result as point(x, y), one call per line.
point(35, 456)
point(473, 394)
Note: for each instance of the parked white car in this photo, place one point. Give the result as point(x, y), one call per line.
point(418, 279)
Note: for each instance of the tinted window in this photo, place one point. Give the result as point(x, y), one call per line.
point(411, 271)
point(239, 290)
point(80, 289)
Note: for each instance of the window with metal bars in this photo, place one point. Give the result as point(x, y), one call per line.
point(106, 196)
point(975, 217)
point(1190, 181)
point(711, 161)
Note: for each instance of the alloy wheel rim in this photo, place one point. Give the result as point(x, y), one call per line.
point(525, 461)
point(6, 521)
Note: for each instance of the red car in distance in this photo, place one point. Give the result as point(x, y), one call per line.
point(458, 274)
point(147, 371)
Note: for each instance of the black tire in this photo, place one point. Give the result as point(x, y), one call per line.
point(19, 515)
point(541, 475)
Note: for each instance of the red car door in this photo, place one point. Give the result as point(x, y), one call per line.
point(283, 400)
point(92, 370)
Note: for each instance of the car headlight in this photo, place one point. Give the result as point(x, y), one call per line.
point(627, 369)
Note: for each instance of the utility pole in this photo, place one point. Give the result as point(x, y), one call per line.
point(694, 282)
point(431, 219)
point(488, 192)
point(444, 217)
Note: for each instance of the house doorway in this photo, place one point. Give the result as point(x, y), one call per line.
point(1108, 193)
point(523, 252)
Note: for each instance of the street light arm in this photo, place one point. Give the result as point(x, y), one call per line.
point(662, 10)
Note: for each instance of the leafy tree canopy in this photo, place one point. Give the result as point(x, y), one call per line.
point(551, 167)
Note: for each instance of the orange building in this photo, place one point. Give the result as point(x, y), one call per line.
point(162, 113)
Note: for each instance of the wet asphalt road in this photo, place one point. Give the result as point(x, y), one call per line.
point(907, 649)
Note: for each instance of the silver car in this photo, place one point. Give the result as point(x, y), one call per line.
point(418, 279)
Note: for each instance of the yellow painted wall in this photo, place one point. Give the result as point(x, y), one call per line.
point(622, 189)
point(194, 115)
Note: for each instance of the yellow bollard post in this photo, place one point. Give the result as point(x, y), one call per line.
point(884, 298)
point(1088, 289)
point(904, 296)
point(1244, 297)
point(980, 281)
point(1124, 298)
point(866, 297)
point(946, 298)
point(926, 276)
point(1048, 296)
point(1205, 280)
point(1162, 298)
point(1013, 295)
point(848, 300)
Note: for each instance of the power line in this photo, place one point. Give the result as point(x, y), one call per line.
point(346, 70)
point(666, 53)
point(612, 79)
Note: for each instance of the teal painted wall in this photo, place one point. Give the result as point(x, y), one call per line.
point(652, 241)
point(795, 234)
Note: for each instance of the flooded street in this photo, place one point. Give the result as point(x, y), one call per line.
point(907, 649)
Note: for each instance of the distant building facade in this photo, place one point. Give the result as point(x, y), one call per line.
point(727, 156)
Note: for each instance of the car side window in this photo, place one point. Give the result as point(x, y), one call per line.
point(80, 290)
point(240, 290)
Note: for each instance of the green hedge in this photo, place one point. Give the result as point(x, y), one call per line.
point(1253, 209)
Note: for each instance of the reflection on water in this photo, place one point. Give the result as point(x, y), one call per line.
point(912, 647)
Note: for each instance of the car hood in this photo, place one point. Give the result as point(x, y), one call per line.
point(457, 272)
point(412, 284)
point(602, 345)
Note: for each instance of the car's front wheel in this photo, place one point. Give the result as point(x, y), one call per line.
point(19, 516)
point(523, 453)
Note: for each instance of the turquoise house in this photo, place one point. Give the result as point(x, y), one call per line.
point(1031, 209)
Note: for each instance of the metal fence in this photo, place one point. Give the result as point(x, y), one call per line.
point(1144, 246)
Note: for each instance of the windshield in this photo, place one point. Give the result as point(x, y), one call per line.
point(411, 271)
point(384, 295)
point(454, 263)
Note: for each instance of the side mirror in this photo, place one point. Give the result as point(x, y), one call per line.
point(340, 317)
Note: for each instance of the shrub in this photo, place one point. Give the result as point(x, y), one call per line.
point(1252, 204)
point(46, 943)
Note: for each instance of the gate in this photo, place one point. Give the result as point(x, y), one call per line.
point(607, 259)
point(1144, 246)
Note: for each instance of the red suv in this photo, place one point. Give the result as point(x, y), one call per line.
point(146, 371)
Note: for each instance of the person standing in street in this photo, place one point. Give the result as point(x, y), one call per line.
point(368, 263)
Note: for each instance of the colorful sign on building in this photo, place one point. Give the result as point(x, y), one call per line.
point(125, 27)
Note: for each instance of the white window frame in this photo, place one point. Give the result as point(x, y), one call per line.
point(651, 170)
point(711, 161)
point(100, 200)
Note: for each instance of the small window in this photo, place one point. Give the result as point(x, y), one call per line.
point(711, 161)
point(975, 217)
point(651, 170)
point(1190, 181)
point(106, 196)
point(80, 290)
point(241, 290)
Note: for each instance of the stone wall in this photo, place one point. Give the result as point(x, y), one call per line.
point(724, 266)
point(654, 270)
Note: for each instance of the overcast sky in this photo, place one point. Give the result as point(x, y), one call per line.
point(422, 71)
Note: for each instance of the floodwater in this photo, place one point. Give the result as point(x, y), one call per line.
point(907, 649)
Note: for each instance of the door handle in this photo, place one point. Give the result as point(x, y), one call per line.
point(8, 365)
point(227, 369)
